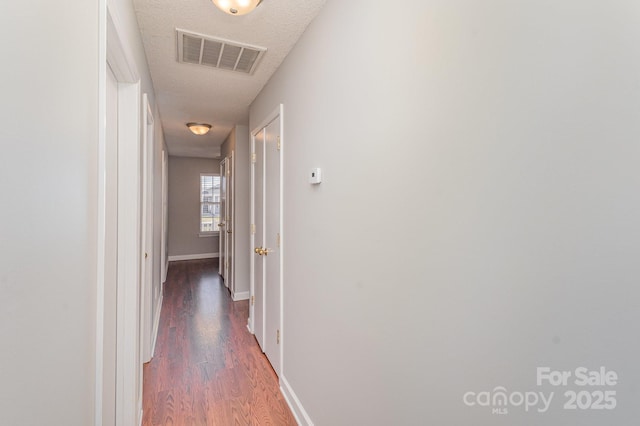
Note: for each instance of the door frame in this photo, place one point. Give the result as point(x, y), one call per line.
point(251, 322)
point(276, 114)
point(146, 259)
point(164, 259)
point(230, 224)
point(128, 398)
point(222, 226)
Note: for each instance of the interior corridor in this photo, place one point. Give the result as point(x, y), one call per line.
point(207, 368)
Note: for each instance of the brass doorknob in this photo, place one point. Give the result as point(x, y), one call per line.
point(259, 250)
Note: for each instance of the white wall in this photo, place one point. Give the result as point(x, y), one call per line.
point(479, 211)
point(184, 206)
point(238, 142)
point(48, 184)
point(48, 224)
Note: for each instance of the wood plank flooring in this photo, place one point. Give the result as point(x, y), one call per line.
point(207, 368)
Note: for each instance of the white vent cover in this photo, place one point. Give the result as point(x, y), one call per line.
point(218, 53)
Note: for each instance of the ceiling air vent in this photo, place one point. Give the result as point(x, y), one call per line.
point(218, 53)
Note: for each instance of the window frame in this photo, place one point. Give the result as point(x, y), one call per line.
point(213, 203)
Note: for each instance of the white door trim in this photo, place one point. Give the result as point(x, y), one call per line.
point(222, 227)
point(101, 238)
point(146, 268)
point(278, 111)
point(252, 243)
point(282, 239)
point(114, 54)
point(128, 254)
point(231, 167)
point(252, 230)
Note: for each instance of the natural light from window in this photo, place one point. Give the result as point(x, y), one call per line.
point(209, 203)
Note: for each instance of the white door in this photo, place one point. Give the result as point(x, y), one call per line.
point(258, 221)
point(229, 225)
point(272, 258)
point(266, 315)
point(164, 248)
point(223, 235)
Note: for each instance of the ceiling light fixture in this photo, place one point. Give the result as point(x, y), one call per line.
point(199, 128)
point(237, 7)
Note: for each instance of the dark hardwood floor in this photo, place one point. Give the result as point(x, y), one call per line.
point(207, 368)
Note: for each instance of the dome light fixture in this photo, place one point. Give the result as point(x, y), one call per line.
point(237, 7)
point(199, 128)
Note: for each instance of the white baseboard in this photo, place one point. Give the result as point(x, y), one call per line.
point(302, 418)
point(165, 271)
point(240, 295)
point(156, 323)
point(193, 256)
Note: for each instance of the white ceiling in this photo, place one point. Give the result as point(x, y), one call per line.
point(186, 92)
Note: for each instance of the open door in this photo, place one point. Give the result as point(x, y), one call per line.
point(164, 246)
point(222, 270)
point(229, 214)
point(258, 262)
point(272, 255)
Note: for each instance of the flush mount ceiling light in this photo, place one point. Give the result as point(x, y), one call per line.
point(237, 7)
point(199, 128)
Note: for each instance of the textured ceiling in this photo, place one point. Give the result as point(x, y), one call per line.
point(187, 92)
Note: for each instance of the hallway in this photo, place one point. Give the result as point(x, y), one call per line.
point(207, 368)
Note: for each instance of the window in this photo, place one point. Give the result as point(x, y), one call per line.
point(209, 203)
